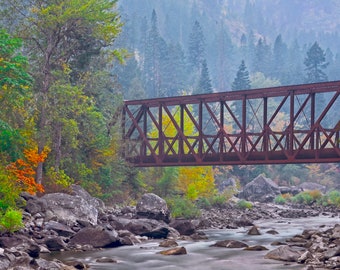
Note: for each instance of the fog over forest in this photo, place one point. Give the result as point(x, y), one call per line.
point(197, 46)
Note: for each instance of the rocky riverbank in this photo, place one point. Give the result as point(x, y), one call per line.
point(77, 221)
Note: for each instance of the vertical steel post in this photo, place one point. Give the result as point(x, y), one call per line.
point(180, 139)
point(160, 132)
point(265, 127)
point(145, 130)
point(291, 122)
point(221, 128)
point(244, 126)
point(312, 121)
point(123, 149)
point(200, 132)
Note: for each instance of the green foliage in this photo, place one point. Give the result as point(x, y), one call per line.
point(303, 198)
point(242, 81)
point(331, 198)
point(11, 221)
point(182, 207)
point(280, 200)
point(334, 197)
point(243, 204)
point(9, 192)
point(57, 180)
point(315, 62)
point(167, 182)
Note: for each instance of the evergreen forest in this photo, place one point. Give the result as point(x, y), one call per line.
point(66, 66)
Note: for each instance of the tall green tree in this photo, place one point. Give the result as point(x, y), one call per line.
point(315, 63)
point(204, 84)
point(61, 35)
point(241, 81)
point(196, 51)
point(280, 55)
point(152, 59)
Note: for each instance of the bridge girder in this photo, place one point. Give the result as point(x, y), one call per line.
point(278, 125)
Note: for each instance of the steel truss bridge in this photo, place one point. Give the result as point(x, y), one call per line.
point(278, 125)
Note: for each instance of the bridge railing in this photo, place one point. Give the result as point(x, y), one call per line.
point(290, 124)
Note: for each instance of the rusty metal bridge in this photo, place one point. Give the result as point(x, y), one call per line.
point(278, 125)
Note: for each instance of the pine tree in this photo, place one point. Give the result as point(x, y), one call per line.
point(204, 83)
point(152, 65)
point(196, 46)
point(315, 62)
point(280, 52)
point(242, 81)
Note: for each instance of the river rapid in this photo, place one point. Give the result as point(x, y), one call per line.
point(201, 256)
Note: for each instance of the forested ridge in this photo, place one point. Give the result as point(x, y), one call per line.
point(67, 66)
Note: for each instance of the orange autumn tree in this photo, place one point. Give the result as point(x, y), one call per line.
point(24, 169)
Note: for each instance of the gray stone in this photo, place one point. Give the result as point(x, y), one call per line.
point(55, 244)
point(154, 207)
point(261, 189)
point(174, 251)
point(97, 237)
point(312, 186)
point(70, 209)
point(61, 229)
point(183, 226)
point(284, 253)
point(230, 244)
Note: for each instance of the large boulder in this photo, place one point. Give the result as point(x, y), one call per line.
point(79, 191)
point(69, 209)
point(261, 189)
point(312, 186)
point(284, 253)
point(143, 226)
point(154, 207)
point(183, 226)
point(97, 237)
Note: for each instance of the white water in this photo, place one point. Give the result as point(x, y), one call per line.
point(203, 257)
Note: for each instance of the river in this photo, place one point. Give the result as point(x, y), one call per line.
point(200, 255)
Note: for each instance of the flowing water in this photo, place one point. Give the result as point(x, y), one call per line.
point(200, 255)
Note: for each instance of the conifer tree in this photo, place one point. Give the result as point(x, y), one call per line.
point(204, 83)
point(196, 46)
point(242, 81)
point(315, 63)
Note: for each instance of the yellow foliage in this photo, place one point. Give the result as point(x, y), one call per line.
point(196, 182)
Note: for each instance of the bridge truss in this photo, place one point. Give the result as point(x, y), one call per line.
point(279, 125)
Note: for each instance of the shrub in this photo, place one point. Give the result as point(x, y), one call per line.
point(334, 198)
point(245, 204)
point(11, 221)
point(316, 194)
point(280, 200)
point(303, 198)
point(182, 207)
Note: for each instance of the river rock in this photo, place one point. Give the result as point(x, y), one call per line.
point(174, 251)
point(35, 205)
point(95, 202)
point(284, 253)
point(61, 229)
point(154, 207)
point(256, 248)
point(183, 226)
point(157, 233)
point(230, 244)
point(168, 243)
point(254, 231)
point(97, 237)
point(261, 189)
point(143, 225)
point(312, 186)
point(70, 209)
point(55, 243)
